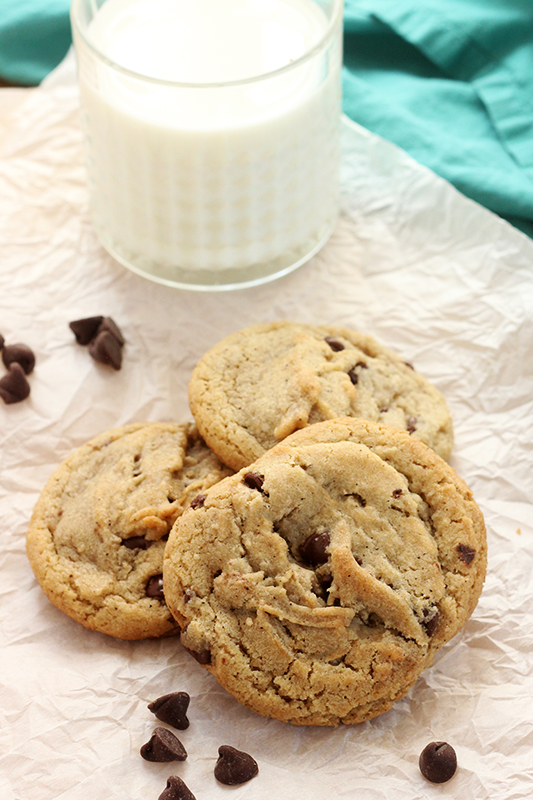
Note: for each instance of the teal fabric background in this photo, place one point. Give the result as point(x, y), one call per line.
point(449, 81)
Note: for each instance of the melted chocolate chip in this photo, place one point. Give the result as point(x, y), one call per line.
point(254, 480)
point(172, 709)
point(202, 656)
point(106, 350)
point(137, 543)
point(85, 329)
point(176, 789)
point(19, 354)
point(335, 345)
point(431, 621)
point(438, 762)
point(411, 424)
point(396, 492)
point(314, 549)
point(466, 553)
point(234, 767)
point(353, 376)
point(198, 501)
point(163, 746)
point(154, 587)
point(13, 385)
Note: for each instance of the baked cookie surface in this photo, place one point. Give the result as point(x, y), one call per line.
point(260, 384)
point(98, 531)
point(317, 583)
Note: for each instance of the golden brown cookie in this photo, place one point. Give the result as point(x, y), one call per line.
point(258, 385)
point(98, 531)
point(317, 583)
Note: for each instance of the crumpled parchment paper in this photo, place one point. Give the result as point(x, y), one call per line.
point(412, 262)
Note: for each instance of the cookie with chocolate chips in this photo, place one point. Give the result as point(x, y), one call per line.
point(262, 383)
point(98, 531)
point(317, 583)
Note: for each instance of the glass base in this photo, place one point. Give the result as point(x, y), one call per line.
point(204, 280)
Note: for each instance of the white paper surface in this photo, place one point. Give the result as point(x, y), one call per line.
point(427, 272)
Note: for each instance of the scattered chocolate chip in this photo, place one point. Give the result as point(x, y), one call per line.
point(315, 548)
point(172, 709)
point(154, 587)
point(13, 385)
point(334, 344)
point(383, 410)
point(111, 327)
point(254, 480)
point(85, 329)
point(2, 341)
point(188, 595)
point(466, 553)
point(106, 349)
point(411, 424)
point(137, 543)
point(176, 789)
point(431, 621)
point(234, 767)
point(20, 354)
point(163, 746)
point(198, 501)
point(202, 656)
point(396, 492)
point(438, 762)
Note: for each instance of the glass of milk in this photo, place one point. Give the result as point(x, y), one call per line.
point(211, 132)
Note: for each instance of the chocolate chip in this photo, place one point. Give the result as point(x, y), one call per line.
point(19, 354)
point(234, 767)
point(198, 501)
point(202, 656)
point(353, 376)
point(111, 327)
point(431, 621)
point(314, 549)
point(438, 762)
point(2, 341)
point(411, 424)
point(172, 709)
point(154, 587)
point(254, 481)
point(137, 543)
point(383, 410)
point(13, 385)
point(176, 789)
point(85, 329)
point(106, 349)
point(334, 344)
point(396, 492)
point(466, 553)
point(188, 595)
point(163, 746)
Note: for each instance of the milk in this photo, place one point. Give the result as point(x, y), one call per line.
point(211, 140)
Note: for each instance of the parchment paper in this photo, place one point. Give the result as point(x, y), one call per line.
point(412, 262)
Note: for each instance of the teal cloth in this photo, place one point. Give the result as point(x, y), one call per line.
point(449, 81)
point(34, 37)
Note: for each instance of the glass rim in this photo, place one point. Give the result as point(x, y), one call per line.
point(322, 44)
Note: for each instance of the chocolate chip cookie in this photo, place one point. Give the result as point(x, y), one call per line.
point(98, 531)
point(317, 583)
point(262, 383)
